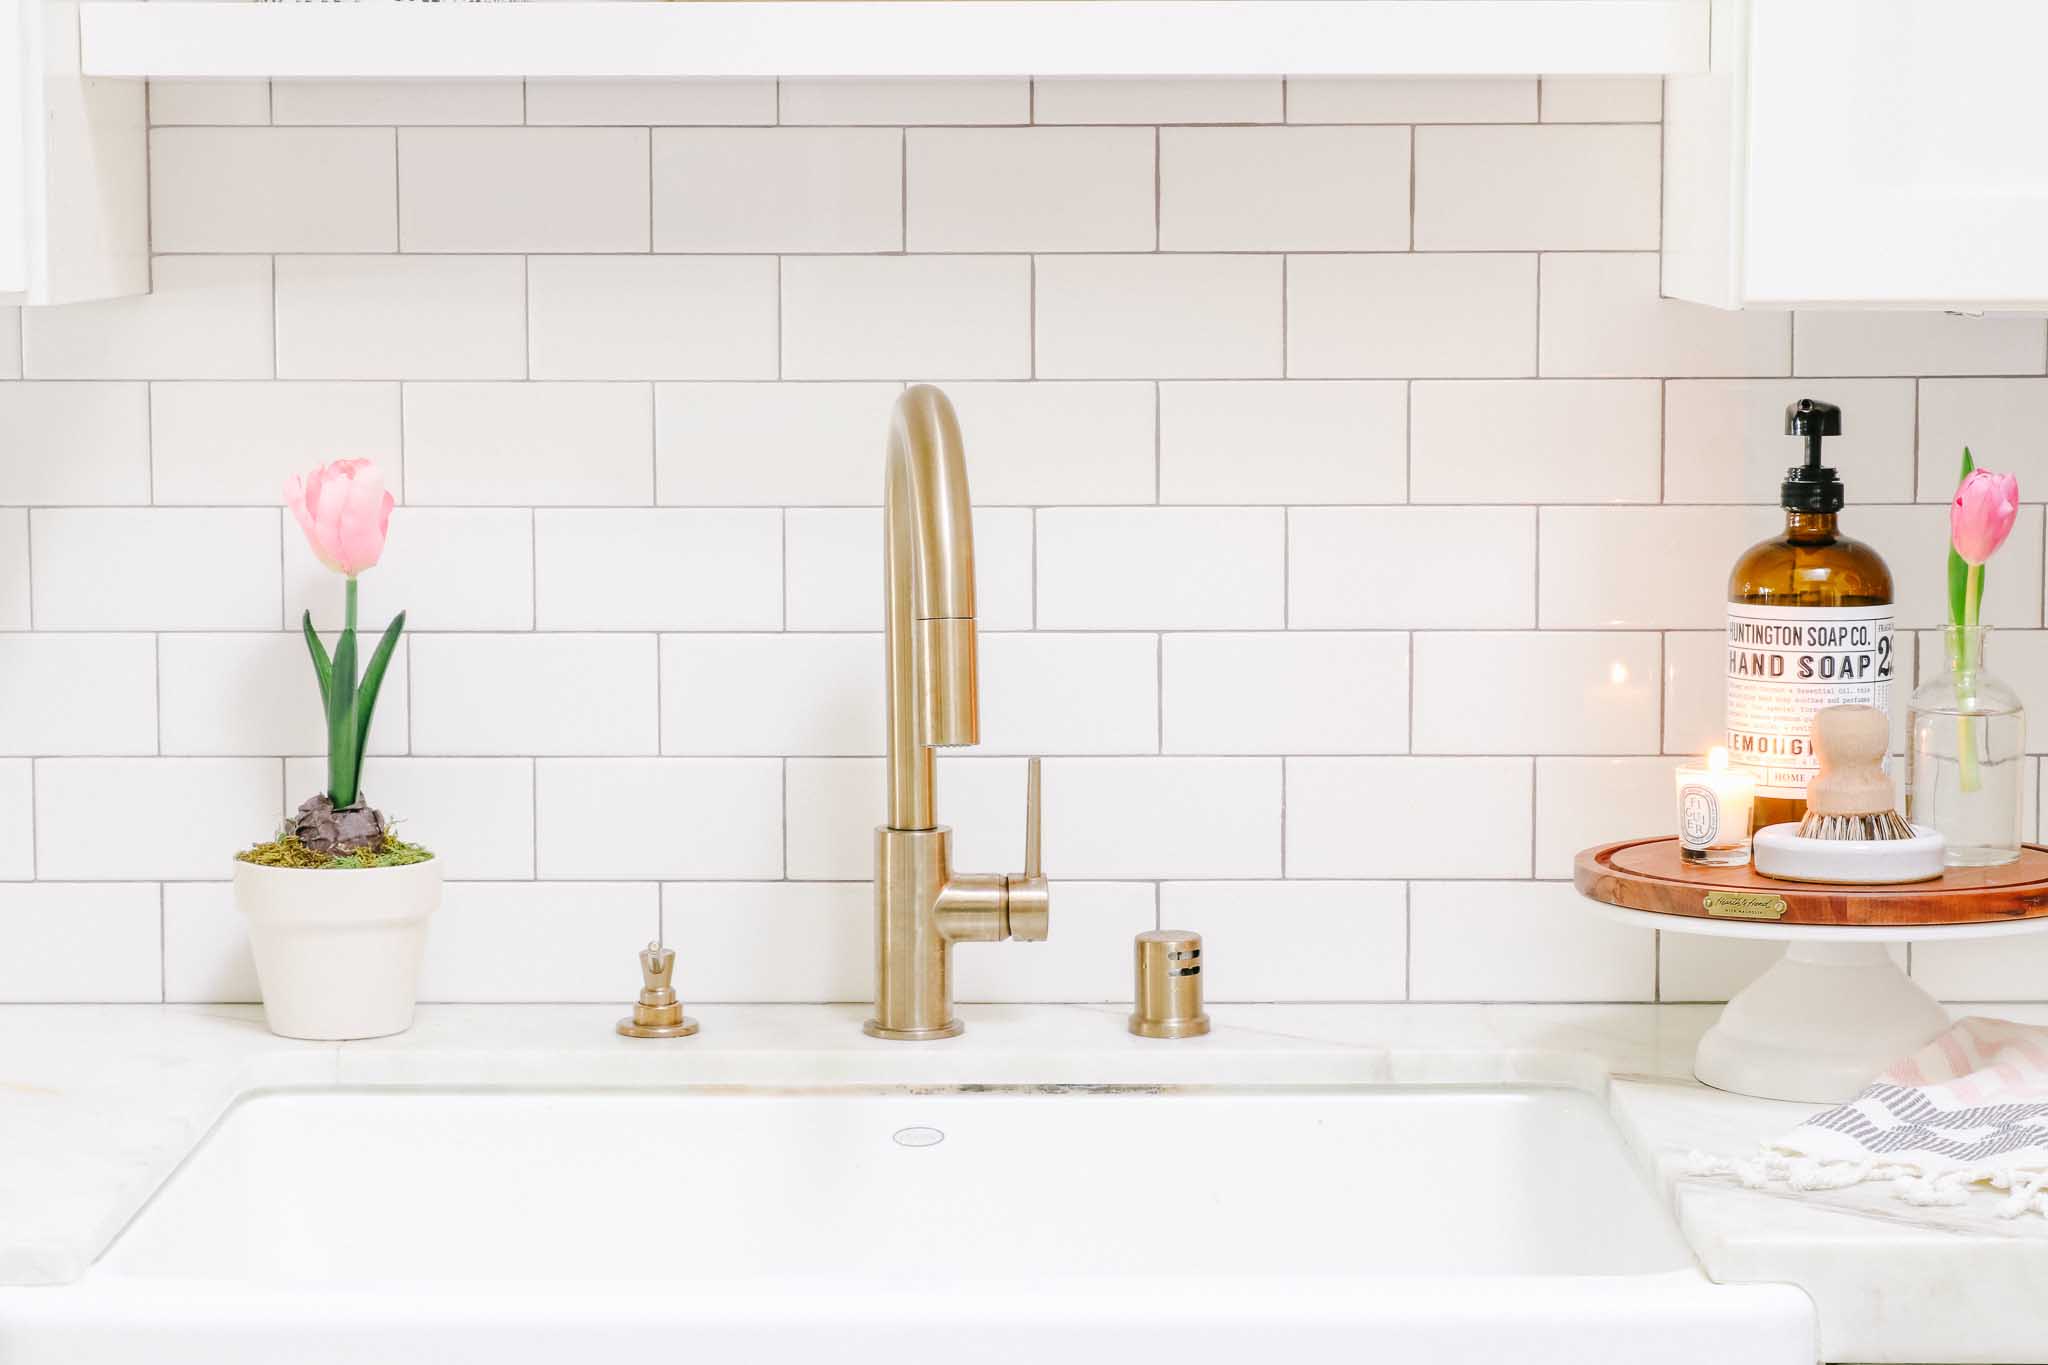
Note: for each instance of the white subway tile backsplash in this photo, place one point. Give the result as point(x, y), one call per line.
point(81, 943)
point(396, 103)
point(1399, 99)
point(273, 189)
point(1091, 693)
point(255, 693)
point(778, 189)
point(2004, 422)
point(1049, 442)
point(78, 694)
point(753, 942)
point(108, 568)
point(1088, 959)
point(1924, 343)
point(1295, 940)
point(772, 445)
point(475, 813)
point(1165, 568)
point(1536, 188)
point(897, 102)
point(401, 317)
point(1603, 316)
point(228, 443)
point(1982, 969)
point(1602, 99)
point(208, 102)
point(1292, 189)
point(832, 807)
point(1108, 818)
point(1398, 316)
point(650, 103)
point(1695, 688)
point(1725, 441)
point(889, 317)
point(14, 569)
point(205, 317)
point(1912, 538)
point(533, 694)
point(652, 317)
point(1534, 941)
point(833, 562)
point(658, 569)
point(1593, 693)
point(1409, 817)
point(504, 941)
point(74, 443)
point(520, 444)
point(222, 805)
point(10, 343)
point(1583, 802)
point(1642, 567)
point(1424, 568)
point(206, 946)
point(1283, 441)
point(17, 820)
point(446, 568)
point(1157, 100)
point(771, 694)
point(1319, 692)
point(523, 189)
point(1696, 967)
point(1553, 440)
point(1163, 317)
point(696, 818)
point(1028, 189)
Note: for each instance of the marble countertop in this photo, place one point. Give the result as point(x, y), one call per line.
point(99, 1104)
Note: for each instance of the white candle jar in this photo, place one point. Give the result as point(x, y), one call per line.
point(1714, 807)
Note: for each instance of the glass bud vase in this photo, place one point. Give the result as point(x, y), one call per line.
point(1966, 747)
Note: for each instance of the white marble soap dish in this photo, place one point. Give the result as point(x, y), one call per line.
point(1778, 851)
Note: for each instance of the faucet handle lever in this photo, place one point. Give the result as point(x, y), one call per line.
point(1026, 898)
point(1032, 866)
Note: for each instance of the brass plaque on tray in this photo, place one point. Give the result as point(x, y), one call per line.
point(1744, 905)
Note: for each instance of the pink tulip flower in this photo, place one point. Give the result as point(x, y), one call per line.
point(1982, 517)
point(344, 510)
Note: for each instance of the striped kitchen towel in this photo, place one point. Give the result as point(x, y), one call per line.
point(1969, 1109)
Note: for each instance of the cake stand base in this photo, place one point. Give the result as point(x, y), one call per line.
point(1818, 1025)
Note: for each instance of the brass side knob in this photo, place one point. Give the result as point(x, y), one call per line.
point(1169, 985)
point(657, 1013)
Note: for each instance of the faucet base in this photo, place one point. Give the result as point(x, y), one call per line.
point(951, 1029)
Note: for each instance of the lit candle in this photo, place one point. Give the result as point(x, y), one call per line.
point(1714, 805)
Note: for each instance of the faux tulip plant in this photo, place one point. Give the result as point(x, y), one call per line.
point(1982, 516)
point(345, 511)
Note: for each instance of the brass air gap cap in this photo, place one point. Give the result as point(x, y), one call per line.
point(1169, 985)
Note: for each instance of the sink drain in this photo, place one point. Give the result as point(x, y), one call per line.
point(917, 1137)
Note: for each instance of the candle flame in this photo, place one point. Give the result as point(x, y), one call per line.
point(1717, 759)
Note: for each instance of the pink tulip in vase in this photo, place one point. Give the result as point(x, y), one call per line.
point(337, 903)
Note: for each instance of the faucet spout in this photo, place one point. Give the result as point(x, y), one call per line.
point(928, 582)
point(922, 906)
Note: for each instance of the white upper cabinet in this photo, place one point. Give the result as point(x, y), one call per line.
point(74, 166)
point(1861, 153)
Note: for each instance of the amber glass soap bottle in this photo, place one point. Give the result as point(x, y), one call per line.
point(1809, 626)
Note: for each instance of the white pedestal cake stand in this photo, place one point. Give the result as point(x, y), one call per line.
point(1825, 1018)
point(1835, 1010)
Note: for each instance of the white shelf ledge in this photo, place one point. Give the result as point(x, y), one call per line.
point(626, 39)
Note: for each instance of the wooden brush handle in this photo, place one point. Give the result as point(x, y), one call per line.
point(1850, 742)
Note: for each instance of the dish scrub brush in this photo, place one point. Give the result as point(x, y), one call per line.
point(1850, 797)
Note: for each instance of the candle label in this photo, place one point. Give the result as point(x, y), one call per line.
point(1784, 664)
point(1699, 816)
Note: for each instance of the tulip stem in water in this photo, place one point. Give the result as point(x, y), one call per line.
point(1966, 664)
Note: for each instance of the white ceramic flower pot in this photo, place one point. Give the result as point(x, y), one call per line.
point(338, 950)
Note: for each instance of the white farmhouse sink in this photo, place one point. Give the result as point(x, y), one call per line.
point(1033, 1224)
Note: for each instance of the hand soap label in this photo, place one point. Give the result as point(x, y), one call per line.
point(1784, 664)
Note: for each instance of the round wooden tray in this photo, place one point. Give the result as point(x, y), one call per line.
point(1648, 874)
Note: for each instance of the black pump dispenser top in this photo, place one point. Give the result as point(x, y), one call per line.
point(1811, 487)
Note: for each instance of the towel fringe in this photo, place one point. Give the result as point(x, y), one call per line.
point(2027, 1191)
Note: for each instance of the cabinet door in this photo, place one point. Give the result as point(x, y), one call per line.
point(14, 87)
point(1896, 153)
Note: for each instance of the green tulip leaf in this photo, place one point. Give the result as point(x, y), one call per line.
point(344, 760)
point(321, 667)
point(1958, 571)
point(373, 681)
